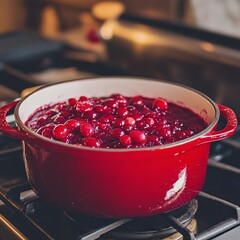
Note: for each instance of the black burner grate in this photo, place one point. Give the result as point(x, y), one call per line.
point(140, 228)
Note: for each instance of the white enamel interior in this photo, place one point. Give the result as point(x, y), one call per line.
point(99, 87)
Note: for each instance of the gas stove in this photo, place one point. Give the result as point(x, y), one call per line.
point(213, 214)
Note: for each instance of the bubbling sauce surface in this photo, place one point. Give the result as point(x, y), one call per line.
point(116, 121)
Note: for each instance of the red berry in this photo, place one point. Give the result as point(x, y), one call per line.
point(102, 126)
point(91, 142)
point(138, 136)
point(83, 98)
point(126, 140)
point(99, 108)
point(119, 122)
point(116, 133)
point(160, 104)
point(72, 124)
point(137, 116)
point(47, 132)
point(83, 107)
point(105, 119)
point(137, 101)
point(60, 131)
point(149, 121)
point(65, 113)
point(154, 139)
point(130, 121)
point(60, 106)
point(121, 100)
point(165, 133)
point(90, 115)
point(50, 113)
point(72, 101)
point(142, 124)
point(111, 103)
point(127, 128)
point(132, 109)
point(86, 129)
point(59, 120)
point(122, 112)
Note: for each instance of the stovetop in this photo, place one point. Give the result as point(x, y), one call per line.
point(23, 215)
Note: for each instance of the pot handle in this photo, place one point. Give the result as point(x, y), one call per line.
point(227, 131)
point(5, 127)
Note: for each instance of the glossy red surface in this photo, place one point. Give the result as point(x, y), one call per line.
point(126, 184)
point(121, 182)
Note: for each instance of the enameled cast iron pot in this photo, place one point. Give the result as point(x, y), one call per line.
point(117, 182)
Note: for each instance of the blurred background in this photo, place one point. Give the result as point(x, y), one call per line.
point(192, 42)
point(46, 16)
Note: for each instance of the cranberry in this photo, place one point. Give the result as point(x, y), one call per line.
point(72, 124)
point(102, 109)
point(127, 128)
point(149, 121)
point(116, 133)
point(160, 104)
point(90, 115)
point(121, 100)
point(122, 112)
point(137, 101)
point(138, 136)
point(91, 142)
point(111, 103)
point(65, 113)
point(99, 108)
point(72, 101)
point(146, 123)
point(40, 130)
point(41, 121)
point(119, 122)
point(125, 140)
point(106, 109)
point(154, 139)
point(47, 132)
point(59, 119)
point(145, 110)
point(102, 126)
point(132, 109)
point(83, 106)
point(104, 119)
point(50, 113)
point(137, 116)
point(86, 129)
point(130, 121)
point(60, 131)
point(60, 106)
point(83, 98)
point(165, 133)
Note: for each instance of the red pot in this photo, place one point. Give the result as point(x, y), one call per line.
point(117, 182)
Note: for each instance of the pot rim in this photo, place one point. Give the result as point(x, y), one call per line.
point(160, 147)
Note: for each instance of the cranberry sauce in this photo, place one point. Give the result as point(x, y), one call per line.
point(116, 122)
